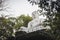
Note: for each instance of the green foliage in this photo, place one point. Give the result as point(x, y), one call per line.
point(22, 21)
point(8, 24)
point(6, 27)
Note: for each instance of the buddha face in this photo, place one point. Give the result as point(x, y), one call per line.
point(35, 14)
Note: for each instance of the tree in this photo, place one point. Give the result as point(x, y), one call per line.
point(36, 35)
point(53, 14)
point(6, 27)
point(3, 6)
point(22, 21)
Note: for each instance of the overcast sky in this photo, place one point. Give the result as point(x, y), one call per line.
point(18, 7)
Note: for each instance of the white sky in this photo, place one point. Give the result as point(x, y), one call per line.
point(18, 7)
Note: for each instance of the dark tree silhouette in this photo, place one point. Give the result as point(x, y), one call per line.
point(37, 35)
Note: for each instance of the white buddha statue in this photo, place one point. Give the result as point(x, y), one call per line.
point(35, 24)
